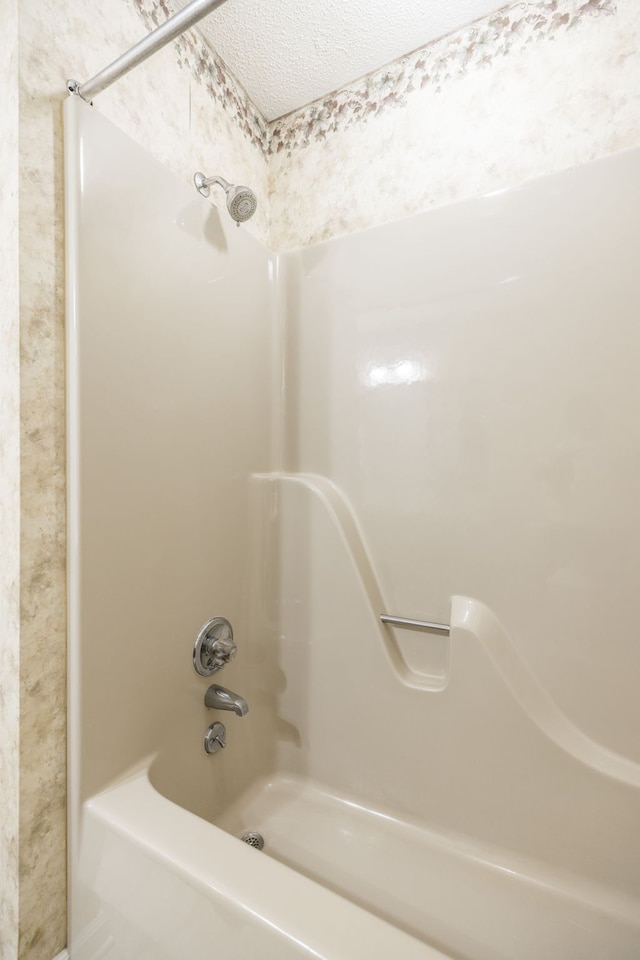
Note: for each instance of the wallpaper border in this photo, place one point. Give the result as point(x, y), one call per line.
point(473, 47)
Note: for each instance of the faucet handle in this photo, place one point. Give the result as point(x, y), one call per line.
point(215, 738)
point(214, 647)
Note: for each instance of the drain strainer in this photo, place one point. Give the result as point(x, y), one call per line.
point(253, 838)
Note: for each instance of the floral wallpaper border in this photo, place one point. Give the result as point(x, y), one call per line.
point(210, 70)
point(510, 30)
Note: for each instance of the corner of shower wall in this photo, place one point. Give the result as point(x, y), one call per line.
point(72, 192)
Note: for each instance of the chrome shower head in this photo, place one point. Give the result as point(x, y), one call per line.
point(241, 201)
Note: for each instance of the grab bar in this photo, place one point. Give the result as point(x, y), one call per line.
point(416, 624)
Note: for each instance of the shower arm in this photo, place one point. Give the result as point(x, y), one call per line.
point(172, 28)
point(201, 182)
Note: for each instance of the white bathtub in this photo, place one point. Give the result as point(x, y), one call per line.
point(335, 880)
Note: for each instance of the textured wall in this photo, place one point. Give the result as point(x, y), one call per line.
point(9, 481)
point(537, 88)
point(164, 108)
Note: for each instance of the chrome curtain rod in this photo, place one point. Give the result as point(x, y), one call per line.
point(157, 39)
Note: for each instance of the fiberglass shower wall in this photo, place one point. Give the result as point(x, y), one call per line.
point(467, 378)
point(169, 414)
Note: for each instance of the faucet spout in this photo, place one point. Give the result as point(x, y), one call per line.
point(219, 698)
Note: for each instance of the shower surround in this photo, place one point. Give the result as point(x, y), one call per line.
point(576, 85)
point(302, 442)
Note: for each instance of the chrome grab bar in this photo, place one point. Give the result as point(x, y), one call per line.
point(427, 625)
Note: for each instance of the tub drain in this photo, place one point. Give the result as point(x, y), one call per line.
point(254, 839)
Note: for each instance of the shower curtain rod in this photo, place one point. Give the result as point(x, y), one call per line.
point(157, 39)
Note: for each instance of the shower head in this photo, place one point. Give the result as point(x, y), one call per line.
point(241, 201)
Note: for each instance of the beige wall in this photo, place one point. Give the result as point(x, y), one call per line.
point(558, 90)
point(9, 480)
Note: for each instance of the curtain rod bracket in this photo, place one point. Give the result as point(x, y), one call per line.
point(73, 89)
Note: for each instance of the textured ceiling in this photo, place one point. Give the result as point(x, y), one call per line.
point(286, 53)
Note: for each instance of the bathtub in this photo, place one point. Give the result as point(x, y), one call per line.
point(336, 880)
point(170, 886)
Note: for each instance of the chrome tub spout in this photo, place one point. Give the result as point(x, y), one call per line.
point(219, 698)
